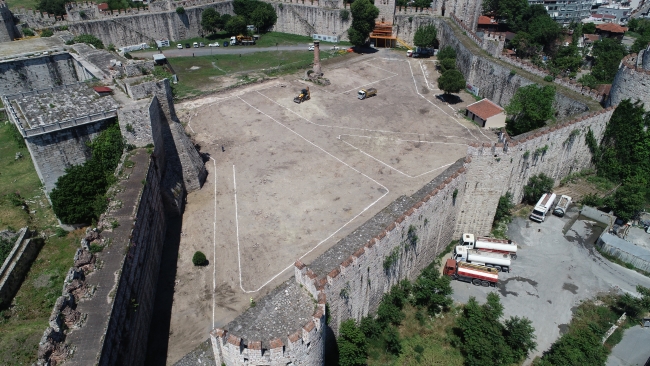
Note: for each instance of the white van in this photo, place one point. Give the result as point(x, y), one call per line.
point(542, 207)
point(196, 44)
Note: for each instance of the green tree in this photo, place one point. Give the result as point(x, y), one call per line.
point(352, 345)
point(588, 28)
point(568, 59)
point(504, 207)
point(544, 30)
point(579, 347)
point(530, 108)
point(447, 52)
point(89, 39)
point(432, 291)
point(263, 17)
point(640, 43)
point(364, 14)
point(236, 25)
point(629, 199)
point(47, 33)
point(211, 20)
point(180, 10)
point(485, 341)
point(608, 54)
point(536, 187)
point(199, 259)
point(588, 80)
point(56, 7)
point(245, 7)
point(425, 36)
point(451, 81)
point(447, 64)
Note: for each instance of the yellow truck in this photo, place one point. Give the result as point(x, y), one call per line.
point(366, 93)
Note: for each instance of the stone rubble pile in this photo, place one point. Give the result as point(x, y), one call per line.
point(52, 349)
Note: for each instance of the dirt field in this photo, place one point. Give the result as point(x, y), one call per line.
point(287, 181)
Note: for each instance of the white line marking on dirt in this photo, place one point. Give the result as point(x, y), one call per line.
point(322, 241)
point(214, 241)
point(393, 168)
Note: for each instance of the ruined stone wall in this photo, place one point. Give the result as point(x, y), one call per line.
point(17, 264)
point(27, 74)
point(125, 341)
point(406, 24)
point(307, 20)
point(7, 26)
point(632, 80)
point(496, 169)
point(146, 27)
point(53, 152)
point(386, 10)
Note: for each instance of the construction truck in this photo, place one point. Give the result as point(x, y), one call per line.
point(485, 258)
point(474, 273)
point(304, 95)
point(242, 40)
point(490, 245)
point(366, 93)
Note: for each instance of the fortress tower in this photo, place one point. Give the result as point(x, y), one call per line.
point(633, 76)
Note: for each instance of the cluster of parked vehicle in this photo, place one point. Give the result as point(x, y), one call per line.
point(200, 44)
point(545, 203)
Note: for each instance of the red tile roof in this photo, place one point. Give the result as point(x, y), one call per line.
point(485, 20)
point(102, 6)
point(591, 37)
point(611, 27)
point(484, 109)
point(604, 89)
point(102, 89)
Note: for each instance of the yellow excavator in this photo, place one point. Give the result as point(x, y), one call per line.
point(304, 95)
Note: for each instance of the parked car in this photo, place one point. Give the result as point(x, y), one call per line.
point(311, 48)
point(225, 43)
point(215, 44)
point(179, 46)
point(201, 44)
point(187, 45)
point(196, 44)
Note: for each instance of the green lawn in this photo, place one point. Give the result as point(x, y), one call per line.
point(196, 74)
point(23, 323)
point(266, 40)
point(27, 4)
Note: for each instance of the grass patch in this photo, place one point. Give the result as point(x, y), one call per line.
point(449, 248)
point(23, 323)
point(423, 342)
point(196, 74)
point(632, 34)
point(27, 4)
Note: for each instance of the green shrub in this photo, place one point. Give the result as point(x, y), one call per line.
point(180, 10)
point(548, 78)
point(537, 185)
point(352, 345)
point(28, 32)
point(79, 195)
point(89, 39)
point(199, 259)
point(47, 33)
point(60, 232)
point(94, 248)
point(15, 199)
point(345, 14)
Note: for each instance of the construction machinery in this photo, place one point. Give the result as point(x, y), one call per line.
point(366, 93)
point(304, 95)
point(242, 40)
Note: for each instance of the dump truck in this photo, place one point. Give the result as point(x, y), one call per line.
point(366, 93)
point(474, 273)
point(304, 95)
point(490, 244)
point(562, 206)
point(499, 261)
point(542, 207)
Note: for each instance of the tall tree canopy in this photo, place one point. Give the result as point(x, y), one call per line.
point(451, 81)
point(258, 13)
point(211, 20)
point(364, 14)
point(608, 54)
point(530, 108)
point(425, 36)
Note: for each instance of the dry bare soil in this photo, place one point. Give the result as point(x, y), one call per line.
point(287, 181)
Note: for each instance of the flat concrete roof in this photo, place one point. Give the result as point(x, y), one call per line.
point(59, 104)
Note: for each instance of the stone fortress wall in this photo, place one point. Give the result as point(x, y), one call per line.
point(8, 31)
point(632, 80)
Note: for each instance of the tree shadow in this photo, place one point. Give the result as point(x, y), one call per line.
point(449, 98)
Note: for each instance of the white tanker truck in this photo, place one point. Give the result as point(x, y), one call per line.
point(490, 244)
point(500, 261)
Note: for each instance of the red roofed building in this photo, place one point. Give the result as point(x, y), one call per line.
point(486, 114)
point(102, 6)
point(611, 30)
point(102, 90)
point(486, 23)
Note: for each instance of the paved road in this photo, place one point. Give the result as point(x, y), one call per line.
point(633, 349)
point(230, 50)
point(551, 274)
